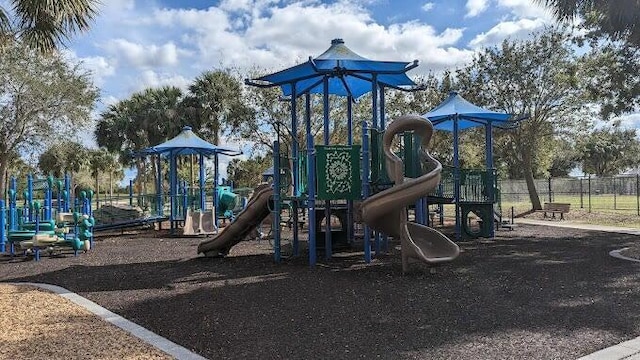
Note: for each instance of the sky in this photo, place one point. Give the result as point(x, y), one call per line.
point(133, 44)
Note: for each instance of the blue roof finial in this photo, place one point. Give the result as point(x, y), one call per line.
point(337, 41)
point(453, 92)
point(186, 128)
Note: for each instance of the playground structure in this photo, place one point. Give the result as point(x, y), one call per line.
point(40, 226)
point(188, 206)
point(392, 185)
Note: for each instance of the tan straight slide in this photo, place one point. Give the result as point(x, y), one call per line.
point(386, 211)
point(256, 210)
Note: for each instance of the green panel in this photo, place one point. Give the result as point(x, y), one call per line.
point(338, 172)
point(379, 174)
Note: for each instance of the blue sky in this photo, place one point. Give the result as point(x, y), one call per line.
point(137, 44)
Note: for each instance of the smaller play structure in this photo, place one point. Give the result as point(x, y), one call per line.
point(188, 206)
point(37, 227)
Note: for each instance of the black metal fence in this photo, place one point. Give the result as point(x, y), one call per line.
point(619, 193)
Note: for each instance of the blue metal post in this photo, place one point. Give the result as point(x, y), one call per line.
point(456, 175)
point(296, 175)
point(130, 192)
point(365, 187)
point(216, 199)
point(327, 204)
point(276, 201)
point(48, 195)
point(490, 173)
point(2, 227)
point(67, 188)
point(30, 195)
point(376, 125)
point(185, 198)
point(13, 216)
point(201, 182)
point(59, 196)
point(37, 230)
point(159, 204)
point(173, 190)
point(311, 184)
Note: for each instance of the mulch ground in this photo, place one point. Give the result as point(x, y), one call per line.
point(535, 292)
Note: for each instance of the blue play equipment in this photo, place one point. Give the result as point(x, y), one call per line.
point(337, 71)
point(187, 143)
point(340, 71)
point(40, 225)
point(474, 191)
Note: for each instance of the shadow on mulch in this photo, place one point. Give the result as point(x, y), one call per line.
point(536, 292)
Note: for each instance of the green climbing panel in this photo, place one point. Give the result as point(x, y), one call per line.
point(338, 172)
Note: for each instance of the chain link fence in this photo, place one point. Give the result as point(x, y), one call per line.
point(615, 194)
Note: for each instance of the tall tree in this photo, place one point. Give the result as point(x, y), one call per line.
point(42, 98)
point(609, 151)
point(63, 157)
point(219, 101)
point(44, 25)
point(145, 119)
point(248, 173)
point(537, 78)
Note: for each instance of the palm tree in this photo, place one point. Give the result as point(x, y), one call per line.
point(220, 104)
point(617, 19)
point(44, 25)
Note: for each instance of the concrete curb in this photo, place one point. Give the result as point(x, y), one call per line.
point(616, 254)
point(628, 350)
point(151, 338)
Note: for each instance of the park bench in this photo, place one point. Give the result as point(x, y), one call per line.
point(555, 208)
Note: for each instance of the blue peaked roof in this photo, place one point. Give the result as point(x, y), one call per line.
point(187, 143)
point(348, 74)
point(468, 114)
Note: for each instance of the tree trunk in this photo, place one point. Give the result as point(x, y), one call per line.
point(110, 184)
point(531, 187)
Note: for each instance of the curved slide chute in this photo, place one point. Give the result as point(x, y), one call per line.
point(386, 211)
point(257, 209)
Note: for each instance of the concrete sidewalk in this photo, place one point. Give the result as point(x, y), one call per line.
point(627, 350)
point(565, 224)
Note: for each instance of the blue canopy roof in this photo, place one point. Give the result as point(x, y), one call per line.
point(188, 143)
point(468, 114)
point(348, 74)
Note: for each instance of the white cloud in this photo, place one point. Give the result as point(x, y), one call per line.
point(143, 56)
point(476, 7)
point(527, 9)
point(150, 78)
point(507, 29)
point(428, 6)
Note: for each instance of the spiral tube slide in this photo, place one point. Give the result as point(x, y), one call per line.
point(386, 211)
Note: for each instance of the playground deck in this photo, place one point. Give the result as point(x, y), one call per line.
point(532, 293)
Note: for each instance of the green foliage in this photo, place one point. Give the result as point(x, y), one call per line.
point(538, 78)
point(44, 25)
point(609, 151)
point(217, 99)
point(63, 157)
point(248, 173)
point(612, 77)
point(617, 20)
point(42, 99)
